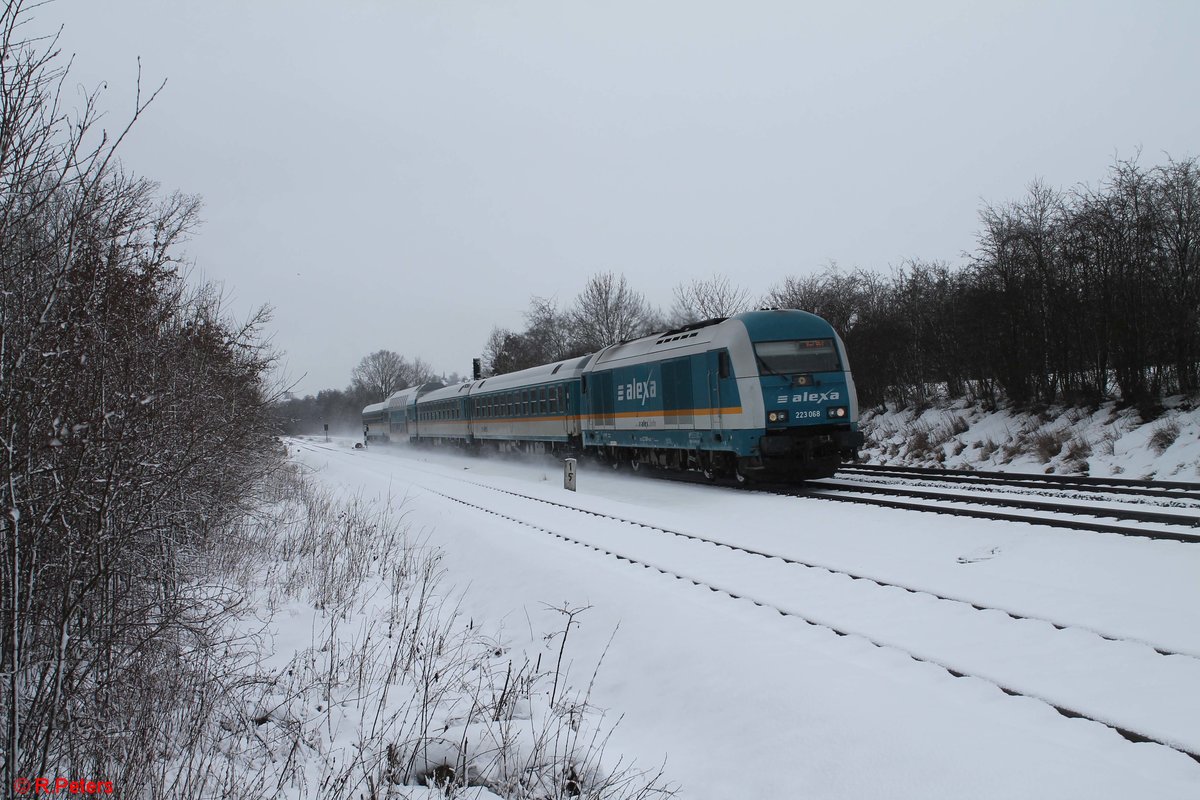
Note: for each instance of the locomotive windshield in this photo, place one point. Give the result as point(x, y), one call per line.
point(796, 356)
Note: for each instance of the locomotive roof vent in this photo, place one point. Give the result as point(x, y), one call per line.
point(678, 336)
point(695, 326)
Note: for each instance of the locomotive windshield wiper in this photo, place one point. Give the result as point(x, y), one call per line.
point(764, 365)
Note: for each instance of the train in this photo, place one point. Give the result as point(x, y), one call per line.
point(758, 396)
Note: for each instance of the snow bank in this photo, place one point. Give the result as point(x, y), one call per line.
point(1103, 440)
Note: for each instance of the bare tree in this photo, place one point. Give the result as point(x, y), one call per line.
point(382, 373)
point(506, 352)
point(608, 311)
point(708, 298)
point(831, 294)
point(417, 372)
point(495, 359)
point(548, 331)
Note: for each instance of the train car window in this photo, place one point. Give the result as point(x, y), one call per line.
point(723, 364)
point(553, 399)
point(542, 400)
point(796, 356)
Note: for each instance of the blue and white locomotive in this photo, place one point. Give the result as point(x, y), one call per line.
point(763, 394)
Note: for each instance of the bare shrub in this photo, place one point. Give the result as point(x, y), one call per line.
point(1047, 444)
point(395, 688)
point(135, 435)
point(918, 441)
point(1165, 435)
point(1078, 452)
point(1108, 442)
point(1078, 449)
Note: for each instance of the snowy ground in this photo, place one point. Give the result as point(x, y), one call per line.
point(727, 665)
point(1104, 441)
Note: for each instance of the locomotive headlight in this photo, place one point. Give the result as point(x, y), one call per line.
point(837, 412)
point(777, 416)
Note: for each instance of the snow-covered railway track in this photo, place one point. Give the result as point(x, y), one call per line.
point(1173, 490)
point(853, 575)
point(1021, 655)
point(1182, 525)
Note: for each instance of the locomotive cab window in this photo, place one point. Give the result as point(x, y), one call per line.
point(723, 369)
point(796, 356)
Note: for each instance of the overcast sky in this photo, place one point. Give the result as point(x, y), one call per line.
point(405, 175)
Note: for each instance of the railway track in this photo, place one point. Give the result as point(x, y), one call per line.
point(1180, 490)
point(1182, 525)
point(1091, 706)
point(1090, 509)
point(974, 640)
point(1167, 510)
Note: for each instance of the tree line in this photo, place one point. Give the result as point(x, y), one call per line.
point(1070, 296)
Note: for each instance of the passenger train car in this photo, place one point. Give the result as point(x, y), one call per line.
point(394, 420)
point(763, 394)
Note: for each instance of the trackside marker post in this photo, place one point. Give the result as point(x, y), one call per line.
point(569, 474)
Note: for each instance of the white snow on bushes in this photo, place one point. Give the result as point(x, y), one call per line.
point(1103, 440)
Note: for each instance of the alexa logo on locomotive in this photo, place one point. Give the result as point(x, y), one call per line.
point(812, 397)
point(638, 390)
